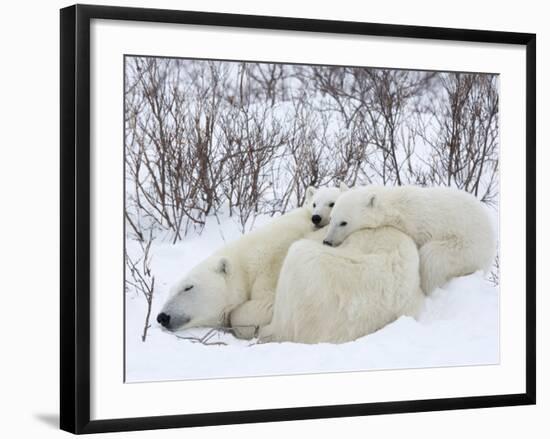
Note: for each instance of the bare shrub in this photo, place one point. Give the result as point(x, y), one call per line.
point(461, 129)
point(205, 138)
point(141, 279)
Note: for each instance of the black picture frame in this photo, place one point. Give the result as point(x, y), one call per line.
point(75, 217)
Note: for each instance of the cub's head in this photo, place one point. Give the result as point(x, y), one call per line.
point(202, 298)
point(355, 210)
point(320, 202)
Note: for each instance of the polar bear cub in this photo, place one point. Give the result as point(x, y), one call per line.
point(339, 294)
point(451, 227)
point(320, 202)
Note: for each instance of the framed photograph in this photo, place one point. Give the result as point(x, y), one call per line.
point(272, 218)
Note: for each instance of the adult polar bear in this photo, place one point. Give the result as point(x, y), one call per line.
point(451, 227)
point(238, 282)
point(339, 294)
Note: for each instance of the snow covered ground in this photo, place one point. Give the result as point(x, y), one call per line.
point(458, 326)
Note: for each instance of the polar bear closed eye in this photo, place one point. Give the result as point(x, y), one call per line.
point(451, 228)
point(320, 202)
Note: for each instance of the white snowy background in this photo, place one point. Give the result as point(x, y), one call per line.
point(216, 149)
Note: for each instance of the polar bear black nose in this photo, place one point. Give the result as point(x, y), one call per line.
point(163, 319)
point(329, 243)
point(316, 219)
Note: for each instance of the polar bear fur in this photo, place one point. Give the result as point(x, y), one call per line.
point(451, 227)
point(339, 294)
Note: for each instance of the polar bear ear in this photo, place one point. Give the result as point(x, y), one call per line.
point(223, 266)
point(372, 201)
point(343, 187)
point(310, 191)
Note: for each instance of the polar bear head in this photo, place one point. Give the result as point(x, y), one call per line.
point(357, 209)
point(320, 202)
point(204, 297)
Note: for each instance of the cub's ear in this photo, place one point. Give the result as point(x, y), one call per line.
point(223, 266)
point(372, 201)
point(343, 187)
point(310, 191)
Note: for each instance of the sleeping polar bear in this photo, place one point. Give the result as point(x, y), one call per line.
point(339, 294)
point(236, 285)
point(451, 227)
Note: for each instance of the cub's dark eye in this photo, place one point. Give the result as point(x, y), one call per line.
point(188, 288)
point(314, 205)
point(343, 224)
point(331, 205)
